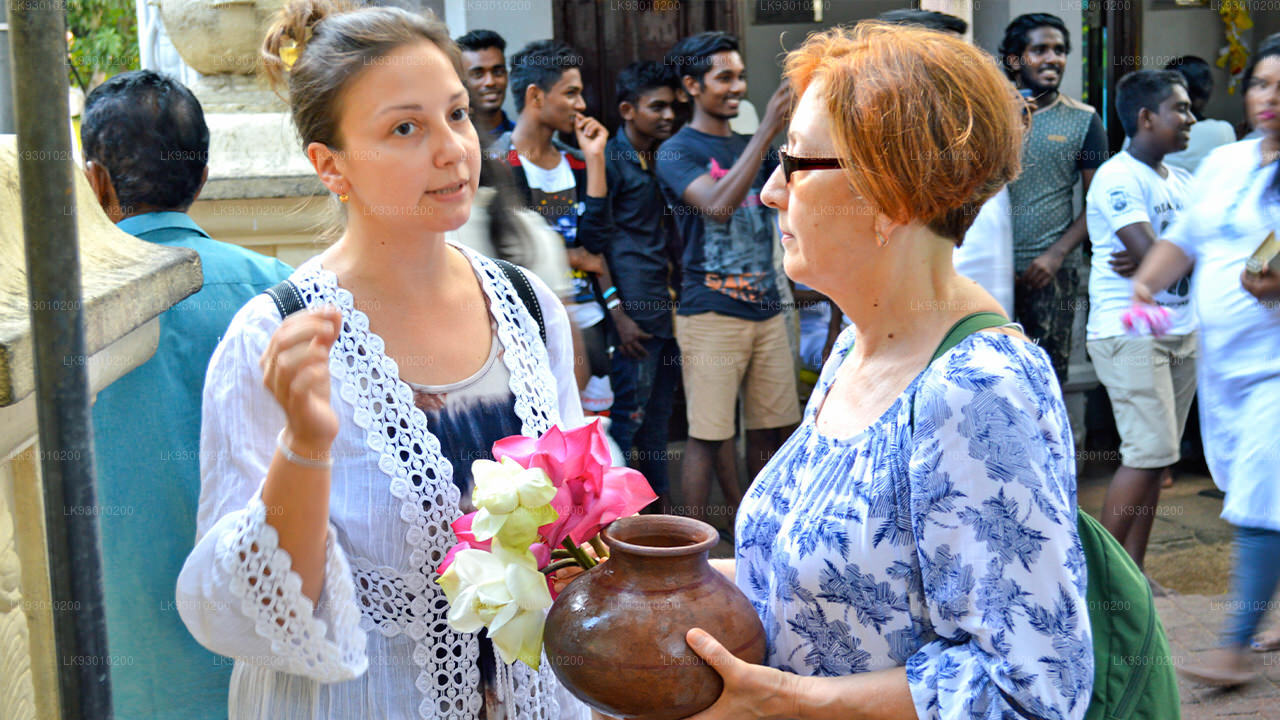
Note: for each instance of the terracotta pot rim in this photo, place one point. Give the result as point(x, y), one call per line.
point(701, 537)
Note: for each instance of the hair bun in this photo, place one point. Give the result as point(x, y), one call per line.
point(291, 30)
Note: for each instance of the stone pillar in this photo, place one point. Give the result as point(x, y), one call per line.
point(262, 191)
point(127, 283)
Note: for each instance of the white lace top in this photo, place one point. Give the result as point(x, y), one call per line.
point(377, 644)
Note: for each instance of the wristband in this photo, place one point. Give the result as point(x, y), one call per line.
point(297, 459)
point(612, 304)
point(609, 292)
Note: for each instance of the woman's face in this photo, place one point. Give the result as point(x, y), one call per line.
point(826, 227)
point(1262, 97)
point(410, 155)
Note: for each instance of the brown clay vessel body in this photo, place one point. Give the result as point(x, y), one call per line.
point(616, 636)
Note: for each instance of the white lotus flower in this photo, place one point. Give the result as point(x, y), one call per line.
point(504, 592)
point(513, 502)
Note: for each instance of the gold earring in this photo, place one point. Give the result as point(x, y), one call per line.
point(343, 197)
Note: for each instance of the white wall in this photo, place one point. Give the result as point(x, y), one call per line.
point(1169, 32)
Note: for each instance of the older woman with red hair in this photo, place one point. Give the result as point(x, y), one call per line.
point(912, 548)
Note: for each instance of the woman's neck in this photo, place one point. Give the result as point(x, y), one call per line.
point(892, 310)
point(394, 262)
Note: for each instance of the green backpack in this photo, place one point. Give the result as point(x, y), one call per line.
point(1133, 675)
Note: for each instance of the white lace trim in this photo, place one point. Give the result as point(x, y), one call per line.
point(408, 601)
point(251, 563)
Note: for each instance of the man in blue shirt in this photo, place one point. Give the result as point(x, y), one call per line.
point(146, 147)
point(729, 324)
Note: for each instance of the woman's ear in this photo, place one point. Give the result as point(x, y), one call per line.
point(885, 229)
point(325, 162)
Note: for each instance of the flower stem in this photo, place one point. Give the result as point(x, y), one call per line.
point(559, 565)
point(579, 554)
point(602, 550)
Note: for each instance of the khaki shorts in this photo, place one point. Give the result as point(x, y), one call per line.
point(720, 352)
point(1151, 382)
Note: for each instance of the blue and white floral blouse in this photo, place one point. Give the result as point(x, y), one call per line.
point(952, 551)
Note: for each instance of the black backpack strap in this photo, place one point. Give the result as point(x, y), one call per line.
point(286, 297)
point(525, 290)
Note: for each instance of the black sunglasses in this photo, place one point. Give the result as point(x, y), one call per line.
point(792, 164)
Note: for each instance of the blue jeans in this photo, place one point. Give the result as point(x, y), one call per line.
point(641, 413)
point(1254, 575)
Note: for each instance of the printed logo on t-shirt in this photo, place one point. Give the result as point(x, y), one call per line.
point(716, 171)
point(1119, 201)
point(747, 287)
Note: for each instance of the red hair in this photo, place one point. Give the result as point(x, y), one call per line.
point(926, 126)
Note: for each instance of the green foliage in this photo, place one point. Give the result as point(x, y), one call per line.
point(104, 40)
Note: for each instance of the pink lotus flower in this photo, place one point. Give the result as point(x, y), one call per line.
point(590, 492)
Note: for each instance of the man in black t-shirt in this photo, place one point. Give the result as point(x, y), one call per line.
point(645, 366)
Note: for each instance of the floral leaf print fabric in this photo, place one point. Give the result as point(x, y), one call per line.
point(948, 546)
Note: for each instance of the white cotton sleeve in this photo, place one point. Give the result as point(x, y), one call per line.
point(1120, 199)
point(560, 351)
point(237, 593)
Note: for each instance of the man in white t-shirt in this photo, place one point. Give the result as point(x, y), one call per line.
point(1134, 197)
point(568, 187)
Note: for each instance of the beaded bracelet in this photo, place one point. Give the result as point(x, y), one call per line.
point(297, 459)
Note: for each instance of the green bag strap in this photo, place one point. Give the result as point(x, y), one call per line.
point(964, 327)
point(967, 326)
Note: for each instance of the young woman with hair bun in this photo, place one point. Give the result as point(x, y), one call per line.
point(336, 444)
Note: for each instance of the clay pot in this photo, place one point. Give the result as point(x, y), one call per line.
point(616, 636)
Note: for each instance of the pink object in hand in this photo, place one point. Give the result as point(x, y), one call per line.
point(1143, 319)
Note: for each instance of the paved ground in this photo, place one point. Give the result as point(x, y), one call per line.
point(1193, 622)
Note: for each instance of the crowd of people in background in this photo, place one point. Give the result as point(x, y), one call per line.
point(660, 240)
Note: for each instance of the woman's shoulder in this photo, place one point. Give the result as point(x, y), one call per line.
point(992, 361)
